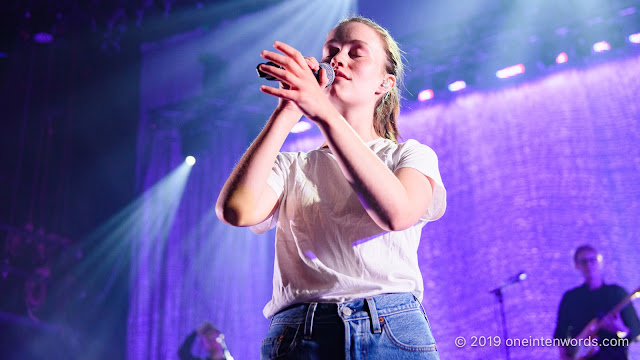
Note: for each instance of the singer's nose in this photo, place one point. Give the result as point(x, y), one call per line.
point(335, 63)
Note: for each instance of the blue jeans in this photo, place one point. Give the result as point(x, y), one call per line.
point(390, 326)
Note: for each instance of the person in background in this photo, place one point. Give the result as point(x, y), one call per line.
point(591, 300)
point(212, 341)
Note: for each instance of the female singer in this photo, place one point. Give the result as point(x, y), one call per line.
point(348, 214)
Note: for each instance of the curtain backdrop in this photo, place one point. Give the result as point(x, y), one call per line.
point(532, 171)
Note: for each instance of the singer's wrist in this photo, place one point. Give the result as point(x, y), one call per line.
point(332, 116)
point(285, 118)
point(288, 110)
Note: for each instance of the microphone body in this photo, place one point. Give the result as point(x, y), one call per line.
point(323, 65)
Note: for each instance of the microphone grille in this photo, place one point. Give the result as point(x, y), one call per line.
point(331, 75)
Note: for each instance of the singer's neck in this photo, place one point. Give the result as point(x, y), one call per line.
point(361, 120)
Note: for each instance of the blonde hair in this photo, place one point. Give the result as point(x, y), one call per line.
point(388, 107)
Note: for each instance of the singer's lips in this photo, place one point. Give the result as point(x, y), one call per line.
point(341, 74)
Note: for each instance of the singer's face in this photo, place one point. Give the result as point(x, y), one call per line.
point(357, 54)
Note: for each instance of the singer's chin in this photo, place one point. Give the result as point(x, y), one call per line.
point(334, 97)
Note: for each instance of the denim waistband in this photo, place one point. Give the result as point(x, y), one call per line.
point(374, 308)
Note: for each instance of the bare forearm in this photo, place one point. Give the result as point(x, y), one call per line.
point(240, 202)
point(380, 191)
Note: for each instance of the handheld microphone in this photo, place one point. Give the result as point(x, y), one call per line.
point(323, 65)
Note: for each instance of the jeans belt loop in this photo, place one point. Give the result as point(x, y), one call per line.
point(424, 312)
point(308, 321)
point(373, 313)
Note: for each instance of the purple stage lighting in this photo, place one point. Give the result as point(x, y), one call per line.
point(510, 71)
point(601, 46)
point(425, 95)
point(627, 11)
point(43, 38)
point(562, 58)
point(634, 38)
point(457, 86)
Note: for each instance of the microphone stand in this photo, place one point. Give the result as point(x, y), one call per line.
point(498, 293)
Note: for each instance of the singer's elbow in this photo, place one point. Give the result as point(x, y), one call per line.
point(228, 215)
point(398, 218)
point(229, 210)
point(399, 224)
point(234, 214)
point(389, 222)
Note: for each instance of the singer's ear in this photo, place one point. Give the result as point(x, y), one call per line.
point(387, 84)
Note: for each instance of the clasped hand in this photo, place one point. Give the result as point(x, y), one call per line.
point(299, 90)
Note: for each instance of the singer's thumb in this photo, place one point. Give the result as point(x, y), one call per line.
point(322, 77)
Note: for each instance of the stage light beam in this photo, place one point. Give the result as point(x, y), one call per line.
point(510, 71)
point(634, 38)
point(627, 11)
point(601, 46)
point(562, 58)
point(457, 86)
point(425, 95)
point(190, 160)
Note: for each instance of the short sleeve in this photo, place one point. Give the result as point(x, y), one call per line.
point(279, 172)
point(422, 158)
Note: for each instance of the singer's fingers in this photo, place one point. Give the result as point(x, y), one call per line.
point(291, 52)
point(312, 62)
point(280, 74)
point(281, 60)
point(278, 92)
point(322, 75)
point(286, 62)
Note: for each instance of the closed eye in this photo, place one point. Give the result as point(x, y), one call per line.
point(330, 51)
point(358, 51)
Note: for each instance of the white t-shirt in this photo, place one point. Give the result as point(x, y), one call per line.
point(327, 247)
